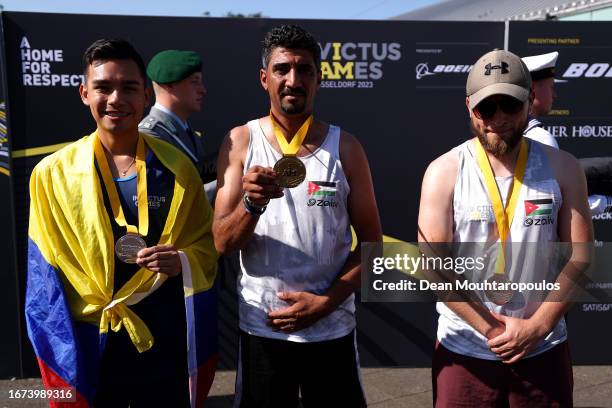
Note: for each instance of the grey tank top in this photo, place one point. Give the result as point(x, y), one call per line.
point(300, 243)
point(474, 221)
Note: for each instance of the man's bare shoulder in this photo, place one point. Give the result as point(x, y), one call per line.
point(352, 154)
point(565, 165)
point(238, 137)
point(558, 155)
point(348, 142)
point(237, 141)
point(444, 168)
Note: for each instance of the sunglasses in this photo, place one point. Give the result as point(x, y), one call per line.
point(487, 108)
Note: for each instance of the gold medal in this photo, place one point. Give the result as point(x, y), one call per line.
point(290, 169)
point(502, 295)
point(128, 245)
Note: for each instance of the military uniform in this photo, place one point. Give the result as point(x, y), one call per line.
point(164, 126)
point(535, 131)
point(541, 67)
point(172, 66)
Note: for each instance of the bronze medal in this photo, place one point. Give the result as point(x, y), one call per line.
point(127, 247)
point(291, 171)
point(500, 296)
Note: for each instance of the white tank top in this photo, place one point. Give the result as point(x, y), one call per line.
point(300, 243)
point(474, 221)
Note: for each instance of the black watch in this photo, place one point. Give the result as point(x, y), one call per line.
point(253, 208)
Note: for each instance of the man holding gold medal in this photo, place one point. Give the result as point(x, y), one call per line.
point(121, 254)
point(500, 351)
point(290, 187)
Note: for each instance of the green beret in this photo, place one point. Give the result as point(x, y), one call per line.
point(173, 65)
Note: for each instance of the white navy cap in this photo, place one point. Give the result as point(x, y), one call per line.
point(541, 66)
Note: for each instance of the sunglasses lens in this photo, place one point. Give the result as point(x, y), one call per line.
point(486, 109)
point(510, 106)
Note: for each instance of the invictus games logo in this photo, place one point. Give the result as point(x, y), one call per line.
point(322, 193)
point(538, 212)
point(356, 65)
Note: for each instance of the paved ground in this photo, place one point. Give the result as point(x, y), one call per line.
point(385, 388)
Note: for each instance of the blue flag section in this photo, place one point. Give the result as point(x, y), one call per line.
point(398, 86)
point(68, 352)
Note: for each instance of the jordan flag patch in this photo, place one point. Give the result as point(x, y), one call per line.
point(543, 206)
point(321, 188)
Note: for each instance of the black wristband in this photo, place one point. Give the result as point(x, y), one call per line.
point(252, 208)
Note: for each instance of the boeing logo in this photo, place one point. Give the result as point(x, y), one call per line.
point(422, 70)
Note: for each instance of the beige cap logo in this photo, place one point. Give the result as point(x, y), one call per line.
point(498, 72)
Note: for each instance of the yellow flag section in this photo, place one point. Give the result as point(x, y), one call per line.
point(70, 226)
point(389, 251)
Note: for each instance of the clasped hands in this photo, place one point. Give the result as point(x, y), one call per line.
point(513, 337)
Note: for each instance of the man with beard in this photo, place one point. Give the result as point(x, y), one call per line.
point(494, 350)
point(290, 187)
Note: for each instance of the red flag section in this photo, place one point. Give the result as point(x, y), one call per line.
point(530, 207)
point(312, 188)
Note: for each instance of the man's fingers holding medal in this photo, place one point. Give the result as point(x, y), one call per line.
point(260, 184)
point(160, 258)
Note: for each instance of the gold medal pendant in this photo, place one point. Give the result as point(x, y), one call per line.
point(291, 171)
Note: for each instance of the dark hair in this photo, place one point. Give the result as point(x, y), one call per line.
point(112, 49)
point(292, 37)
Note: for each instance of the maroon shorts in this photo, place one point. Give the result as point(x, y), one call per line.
point(544, 380)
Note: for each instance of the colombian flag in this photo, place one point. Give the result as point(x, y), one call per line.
point(70, 302)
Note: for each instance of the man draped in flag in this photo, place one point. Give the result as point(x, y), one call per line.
point(120, 239)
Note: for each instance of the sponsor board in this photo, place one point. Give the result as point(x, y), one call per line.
point(580, 131)
point(422, 69)
point(602, 217)
point(356, 64)
point(37, 67)
point(4, 142)
point(586, 70)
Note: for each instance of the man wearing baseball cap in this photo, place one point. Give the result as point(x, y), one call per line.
point(502, 348)
point(177, 82)
point(542, 69)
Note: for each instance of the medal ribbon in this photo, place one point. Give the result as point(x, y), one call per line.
point(291, 148)
point(503, 216)
point(113, 196)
